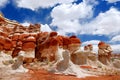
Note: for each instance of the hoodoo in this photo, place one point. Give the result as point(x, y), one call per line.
point(23, 46)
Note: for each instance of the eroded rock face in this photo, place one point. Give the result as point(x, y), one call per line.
point(19, 29)
point(74, 45)
point(34, 28)
point(43, 44)
point(18, 64)
point(48, 43)
point(91, 55)
point(46, 46)
point(116, 63)
point(104, 52)
point(63, 64)
point(15, 37)
point(29, 43)
point(80, 57)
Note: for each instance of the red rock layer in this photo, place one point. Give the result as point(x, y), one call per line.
point(15, 37)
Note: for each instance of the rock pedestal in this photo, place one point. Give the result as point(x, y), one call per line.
point(79, 58)
point(63, 64)
point(104, 53)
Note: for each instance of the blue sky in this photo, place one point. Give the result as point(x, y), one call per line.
point(91, 20)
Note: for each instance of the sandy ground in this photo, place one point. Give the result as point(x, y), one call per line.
point(44, 75)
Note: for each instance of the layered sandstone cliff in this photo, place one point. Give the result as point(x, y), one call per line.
point(15, 37)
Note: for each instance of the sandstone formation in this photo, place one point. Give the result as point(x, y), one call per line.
point(15, 37)
point(80, 57)
point(47, 45)
point(116, 63)
point(51, 51)
point(64, 63)
point(91, 55)
point(104, 52)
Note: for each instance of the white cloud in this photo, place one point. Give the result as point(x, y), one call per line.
point(67, 17)
point(116, 38)
point(72, 18)
point(104, 24)
point(112, 1)
point(35, 4)
point(45, 28)
point(93, 42)
point(3, 2)
point(116, 48)
point(25, 24)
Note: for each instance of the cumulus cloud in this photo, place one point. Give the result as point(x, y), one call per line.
point(104, 24)
point(67, 17)
point(93, 42)
point(116, 39)
point(116, 48)
point(3, 2)
point(25, 24)
point(71, 18)
point(112, 1)
point(35, 4)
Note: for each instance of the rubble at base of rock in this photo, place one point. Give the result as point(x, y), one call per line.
point(49, 47)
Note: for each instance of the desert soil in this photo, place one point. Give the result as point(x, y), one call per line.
point(41, 74)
